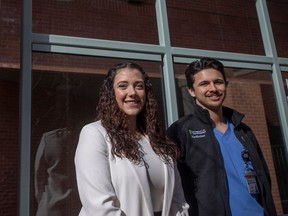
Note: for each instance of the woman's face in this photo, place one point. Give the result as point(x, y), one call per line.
point(129, 89)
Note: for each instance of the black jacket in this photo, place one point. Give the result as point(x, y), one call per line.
point(201, 164)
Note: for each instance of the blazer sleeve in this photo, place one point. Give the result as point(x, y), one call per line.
point(93, 174)
point(179, 205)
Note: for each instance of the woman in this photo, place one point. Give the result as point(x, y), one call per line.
point(124, 161)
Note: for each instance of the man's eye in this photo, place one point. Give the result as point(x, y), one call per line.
point(219, 82)
point(204, 84)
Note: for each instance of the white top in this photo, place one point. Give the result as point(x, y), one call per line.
point(155, 169)
point(113, 186)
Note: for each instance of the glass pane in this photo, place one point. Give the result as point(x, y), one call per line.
point(9, 140)
point(280, 157)
point(10, 32)
point(230, 26)
point(250, 92)
point(64, 96)
point(279, 20)
point(101, 19)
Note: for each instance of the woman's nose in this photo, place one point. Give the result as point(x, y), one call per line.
point(131, 90)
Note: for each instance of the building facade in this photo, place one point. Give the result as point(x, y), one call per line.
point(53, 57)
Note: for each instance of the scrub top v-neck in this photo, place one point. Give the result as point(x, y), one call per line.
point(241, 202)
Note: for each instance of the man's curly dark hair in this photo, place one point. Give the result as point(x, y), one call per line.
point(114, 120)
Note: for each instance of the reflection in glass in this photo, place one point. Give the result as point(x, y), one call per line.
point(64, 96)
point(101, 19)
point(279, 152)
point(230, 26)
point(9, 140)
point(278, 17)
point(60, 108)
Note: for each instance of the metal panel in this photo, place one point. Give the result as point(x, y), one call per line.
point(94, 52)
point(181, 52)
point(283, 61)
point(168, 72)
point(270, 50)
point(284, 68)
point(25, 109)
point(232, 63)
point(96, 43)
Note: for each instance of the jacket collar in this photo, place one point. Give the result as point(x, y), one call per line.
point(234, 116)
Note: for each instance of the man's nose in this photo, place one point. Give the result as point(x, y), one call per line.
point(213, 86)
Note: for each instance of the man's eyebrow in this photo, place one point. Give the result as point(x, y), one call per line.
point(204, 81)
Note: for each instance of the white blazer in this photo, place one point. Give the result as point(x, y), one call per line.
point(111, 186)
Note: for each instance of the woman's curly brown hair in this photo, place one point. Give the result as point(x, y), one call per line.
point(124, 142)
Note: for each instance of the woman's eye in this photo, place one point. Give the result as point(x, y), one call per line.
point(122, 86)
point(139, 86)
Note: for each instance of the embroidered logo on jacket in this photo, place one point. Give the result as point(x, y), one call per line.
point(197, 134)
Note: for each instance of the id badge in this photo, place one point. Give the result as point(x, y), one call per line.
point(251, 183)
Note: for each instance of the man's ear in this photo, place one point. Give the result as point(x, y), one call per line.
point(191, 92)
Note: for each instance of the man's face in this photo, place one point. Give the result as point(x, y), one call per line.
point(209, 89)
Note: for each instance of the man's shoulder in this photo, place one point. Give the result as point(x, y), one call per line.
point(60, 133)
point(184, 122)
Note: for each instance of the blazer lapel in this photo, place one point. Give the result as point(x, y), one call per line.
point(169, 188)
point(140, 172)
point(141, 176)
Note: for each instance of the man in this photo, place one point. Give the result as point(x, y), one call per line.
point(222, 168)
